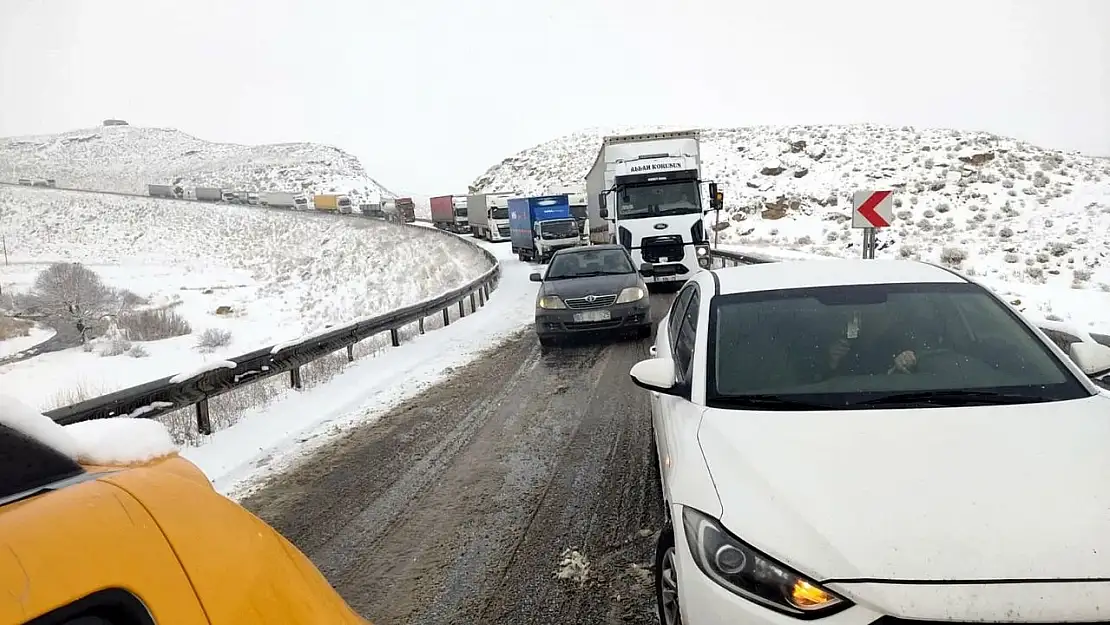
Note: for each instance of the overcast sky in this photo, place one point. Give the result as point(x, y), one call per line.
point(429, 93)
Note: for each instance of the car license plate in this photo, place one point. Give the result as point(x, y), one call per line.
point(664, 260)
point(592, 315)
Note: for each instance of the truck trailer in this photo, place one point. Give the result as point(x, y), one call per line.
point(170, 191)
point(209, 194)
point(488, 215)
point(644, 193)
point(284, 199)
point(449, 213)
point(542, 225)
point(332, 203)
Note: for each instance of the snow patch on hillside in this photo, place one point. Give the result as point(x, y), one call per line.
point(988, 205)
point(128, 158)
point(272, 275)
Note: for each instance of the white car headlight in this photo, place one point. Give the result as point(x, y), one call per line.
point(550, 302)
point(702, 251)
point(630, 294)
point(744, 571)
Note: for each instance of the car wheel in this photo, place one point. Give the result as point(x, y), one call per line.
point(666, 579)
point(644, 332)
point(547, 341)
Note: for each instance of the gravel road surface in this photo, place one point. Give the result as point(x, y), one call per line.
point(458, 506)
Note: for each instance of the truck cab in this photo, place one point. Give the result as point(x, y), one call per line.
point(648, 191)
point(343, 205)
point(540, 226)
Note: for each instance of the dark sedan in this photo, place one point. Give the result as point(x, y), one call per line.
point(588, 290)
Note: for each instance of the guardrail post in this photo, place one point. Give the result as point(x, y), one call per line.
point(473, 306)
point(462, 309)
point(447, 316)
point(351, 352)
point(295, 380)
point(394, 337)
point(420, 324)
point(204, 422)
point(482, 295)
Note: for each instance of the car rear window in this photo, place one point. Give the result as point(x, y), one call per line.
point(785, 343)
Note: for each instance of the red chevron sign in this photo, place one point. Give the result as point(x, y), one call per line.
point(873, 209)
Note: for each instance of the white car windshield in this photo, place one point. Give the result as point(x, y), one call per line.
point(878, 346)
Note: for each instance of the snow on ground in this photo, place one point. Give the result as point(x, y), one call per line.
point(269, 440)
point(281, 274)
point(128, 158)
point(987, 204)
point(13, 346)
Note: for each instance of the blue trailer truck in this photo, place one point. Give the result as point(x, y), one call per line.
point(541, 225)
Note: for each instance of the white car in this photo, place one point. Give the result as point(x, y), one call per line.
point(874, 442)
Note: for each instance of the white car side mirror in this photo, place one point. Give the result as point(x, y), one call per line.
point(654, 374)
point(1092, 358)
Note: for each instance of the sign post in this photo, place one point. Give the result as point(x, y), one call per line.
point(872, 210)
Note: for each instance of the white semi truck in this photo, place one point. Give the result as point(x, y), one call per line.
point(644, 193)
point(579, 206)
point(488, 215)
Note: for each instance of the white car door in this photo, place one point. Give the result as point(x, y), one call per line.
point(676, 343)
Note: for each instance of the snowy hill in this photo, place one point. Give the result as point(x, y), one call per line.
point(983, 203)
point(128, 158)
point(263, 276)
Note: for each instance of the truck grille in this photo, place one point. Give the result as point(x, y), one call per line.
point(503, 231)
point(600, 301)
point(669, 247)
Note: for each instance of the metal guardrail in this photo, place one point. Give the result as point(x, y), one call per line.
point(179, 391)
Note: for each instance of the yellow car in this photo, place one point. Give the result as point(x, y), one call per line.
point(142, 545)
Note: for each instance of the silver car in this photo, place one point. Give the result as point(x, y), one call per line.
point(591, 290)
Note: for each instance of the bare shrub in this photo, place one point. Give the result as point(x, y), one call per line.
point(212, 338)
point(74, 294)
point(153, 325)
point(953, 256)
point(138, 351)
point(10, 328)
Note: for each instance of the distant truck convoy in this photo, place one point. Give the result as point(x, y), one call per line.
point(283, 199)
point(372, 210)
point(652, 183)
point(542, 225)
point(332, 202)
point(488, 215)
point(449, 213)
point(165, 190)
point(209, 194)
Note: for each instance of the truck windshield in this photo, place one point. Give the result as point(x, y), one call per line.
point(460, 212)
point(659, 200)
point(561, 229)
point(499, 213)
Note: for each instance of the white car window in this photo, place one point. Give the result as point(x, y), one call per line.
point(843, 345)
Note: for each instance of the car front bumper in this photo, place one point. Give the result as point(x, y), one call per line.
point(622, 317)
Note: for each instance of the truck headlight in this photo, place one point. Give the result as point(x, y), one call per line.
point(550, 302)
point(744, 571)
point(702, 251)
point(630, 294)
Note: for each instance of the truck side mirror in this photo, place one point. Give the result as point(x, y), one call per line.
point(603, 213)
point(716, 198)
point(601, 201)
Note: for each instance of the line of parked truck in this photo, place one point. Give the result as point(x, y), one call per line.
point(401, 210)
point(643, 192)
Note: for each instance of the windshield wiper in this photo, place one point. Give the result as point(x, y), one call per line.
point(953, 398)
point(766, 402)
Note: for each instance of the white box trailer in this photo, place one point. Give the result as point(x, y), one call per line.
point(488, 215)
point(643, 192)
point(283, 199)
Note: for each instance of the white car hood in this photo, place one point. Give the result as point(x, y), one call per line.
point(998, 492)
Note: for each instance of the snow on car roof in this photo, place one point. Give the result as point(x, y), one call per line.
point(800, 274)
point(113, 441)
